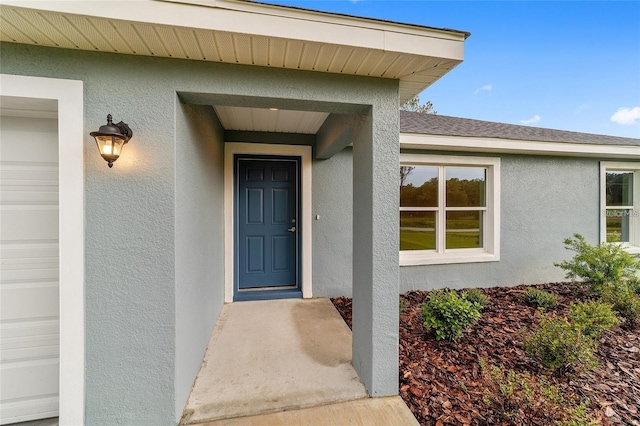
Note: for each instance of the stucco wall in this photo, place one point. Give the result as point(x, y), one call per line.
point(199, 239)
point(544, 200)
point(133, 258)
point(332, 233)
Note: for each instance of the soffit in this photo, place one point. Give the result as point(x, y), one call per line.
point(269, 120)
point(240, 32)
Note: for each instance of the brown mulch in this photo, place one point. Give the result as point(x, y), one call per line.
point(442, 382)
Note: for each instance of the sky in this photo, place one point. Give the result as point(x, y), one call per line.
point(569, 65)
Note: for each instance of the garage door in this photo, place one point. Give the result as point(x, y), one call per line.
point(29, 300)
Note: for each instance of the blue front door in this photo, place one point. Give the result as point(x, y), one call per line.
point(267, 230)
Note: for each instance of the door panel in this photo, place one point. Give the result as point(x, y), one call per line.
point(267, 236)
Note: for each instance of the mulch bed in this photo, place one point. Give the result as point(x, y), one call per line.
point(442, 382)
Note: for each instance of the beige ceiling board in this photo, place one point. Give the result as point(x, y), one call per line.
point(9, 32)
point(240, 32)
point(266, 120)
point(293, 54)
point(91, 33)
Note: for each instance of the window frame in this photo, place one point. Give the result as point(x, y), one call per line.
point(633, 246)
point(491, 218)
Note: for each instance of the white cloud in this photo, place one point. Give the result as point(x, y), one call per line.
point(485, 88)
point(626, 115)
point(532, 120)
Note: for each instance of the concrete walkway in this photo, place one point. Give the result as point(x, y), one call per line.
point(274, 360)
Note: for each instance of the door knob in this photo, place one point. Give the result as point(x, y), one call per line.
point(292, 229)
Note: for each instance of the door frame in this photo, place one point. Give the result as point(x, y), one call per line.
point(304, 152)
point(70, 97)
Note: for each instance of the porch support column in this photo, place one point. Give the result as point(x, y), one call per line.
point(375, 250)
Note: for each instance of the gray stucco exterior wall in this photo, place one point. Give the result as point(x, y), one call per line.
point(375, 246)
point(543, 201)
point(332, 233)
point(135, 261)
point(199, 239)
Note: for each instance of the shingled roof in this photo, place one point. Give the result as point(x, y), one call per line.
point(432, 124)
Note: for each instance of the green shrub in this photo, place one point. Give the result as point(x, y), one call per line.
point(476, 296)
point(578, 416)
point(540, 299)
point(520, 396)
point(598, 264)
point(634, 284)
point(560, 346)
point(624, 301)
point(592, 317)
point(448, 314)
point(403, 306)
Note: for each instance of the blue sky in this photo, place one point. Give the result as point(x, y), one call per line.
point(570, 65)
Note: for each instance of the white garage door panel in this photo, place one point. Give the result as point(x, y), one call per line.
point(22, 251)
point(20, 378)
point(30, 140)
point(11, 330)
point(29, 298)
point(28, 301)
point(30, 347)
point(35, 224)
point(29, 184)
point(23, 410)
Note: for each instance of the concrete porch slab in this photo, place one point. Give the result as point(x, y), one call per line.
point(369, 411)
point(271, 356)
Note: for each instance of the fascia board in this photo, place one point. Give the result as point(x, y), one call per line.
point(260, 20)
point(512, 146)
point(312, 15)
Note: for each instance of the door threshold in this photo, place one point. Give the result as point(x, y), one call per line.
point(247, 295)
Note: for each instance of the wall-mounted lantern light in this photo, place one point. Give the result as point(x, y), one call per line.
point(111, 138)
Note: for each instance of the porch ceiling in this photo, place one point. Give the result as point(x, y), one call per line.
point(270, 120)
point(236, 31)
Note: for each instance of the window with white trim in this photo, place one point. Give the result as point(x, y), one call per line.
point(620, 204)
point(449, 209)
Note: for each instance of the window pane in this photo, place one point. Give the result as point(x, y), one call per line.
point(618, 225)
point(619, 188)
point(466, 186)
point(464, 229)
point(418, 186)
point(417, 230)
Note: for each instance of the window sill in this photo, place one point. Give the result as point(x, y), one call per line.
point(416, 259)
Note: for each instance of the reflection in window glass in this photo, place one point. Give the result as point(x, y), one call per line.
point(619, 189)
point(466, 186)
point(618, 225)
point(417, 230)
point(418, 186)
point(464, 229)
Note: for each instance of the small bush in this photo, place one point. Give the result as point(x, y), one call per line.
point(592, 317)
point(634, 284)
point(448, 314)
point(403, 306)
point(476, 296)
point(598, 264)
point(540, 299)
point(624, 301)
point(519, 396)
point(560, 346)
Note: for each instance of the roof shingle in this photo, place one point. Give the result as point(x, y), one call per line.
point(432, 124)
